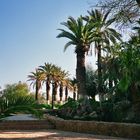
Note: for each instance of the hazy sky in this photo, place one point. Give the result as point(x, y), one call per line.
point(28, 30)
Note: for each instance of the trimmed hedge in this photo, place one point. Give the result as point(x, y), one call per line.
point(126, 130)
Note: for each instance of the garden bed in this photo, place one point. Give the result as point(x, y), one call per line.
point(126, 130)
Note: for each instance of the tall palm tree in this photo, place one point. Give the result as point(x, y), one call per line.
point(80, 36)
point(47, 70)
point(63, 80)
point(74, 87)
point(36, 79)
point(67, 88)
point(104, 36)
point(55, 80)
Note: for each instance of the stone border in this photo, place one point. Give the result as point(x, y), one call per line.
point(126, 130)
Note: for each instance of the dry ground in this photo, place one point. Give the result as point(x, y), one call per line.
point(50, 135)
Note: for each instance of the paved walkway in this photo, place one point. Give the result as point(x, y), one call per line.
point(20, 117)
point(51, 135)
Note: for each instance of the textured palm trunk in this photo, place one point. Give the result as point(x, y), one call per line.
point(37, 91)
point(74, 95)
point(55, 91)
point(66, 93)
point(47, 90)
point(100, 73)
point(61, 92)
point(81, 74)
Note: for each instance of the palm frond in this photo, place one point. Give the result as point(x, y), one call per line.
point(68, 44)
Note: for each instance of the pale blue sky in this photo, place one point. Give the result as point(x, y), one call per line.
point(28, 30)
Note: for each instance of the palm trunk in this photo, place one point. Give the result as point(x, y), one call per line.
point(55, 91)
point(100, 73)
point(47, 90)
point(61, 92)
point(36, 91)
point(81, 74)
point(66, 93)
point(74, 95)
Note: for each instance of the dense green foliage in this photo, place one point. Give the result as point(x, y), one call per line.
point(16, 99)
point(117, 76)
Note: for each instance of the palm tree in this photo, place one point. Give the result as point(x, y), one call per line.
point(47, 70)
point(80, 36)
point(67, 87)
point(74, 87)
point(63, 80)
point(104, 36)
point(55, 80)
point(36, 79)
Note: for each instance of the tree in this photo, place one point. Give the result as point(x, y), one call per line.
point(121, 68)
point(63, 81)
point(80, 36)
point(16, 98)
point(36, 79)
point(130, 62)
point(74, 87)
point(47, 70)
point(56, 77)
point(67, 87)
point(125, 12)
point(17, 88)
point(103, 36)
